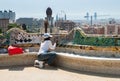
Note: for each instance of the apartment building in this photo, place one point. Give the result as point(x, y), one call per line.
point(4, 24)
point(8, 15)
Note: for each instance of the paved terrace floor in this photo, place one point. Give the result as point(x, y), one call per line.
point(49, 73)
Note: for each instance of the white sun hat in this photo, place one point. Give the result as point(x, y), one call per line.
point(47, 35)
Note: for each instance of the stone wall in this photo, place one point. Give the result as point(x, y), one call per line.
point(17, 60)
point(90, 64)
point(66, 60)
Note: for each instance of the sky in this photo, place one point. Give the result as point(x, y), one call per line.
point(74, 9)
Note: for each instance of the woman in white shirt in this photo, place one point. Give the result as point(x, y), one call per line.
point(45, 53)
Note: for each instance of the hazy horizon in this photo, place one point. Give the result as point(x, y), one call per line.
point(74, 9)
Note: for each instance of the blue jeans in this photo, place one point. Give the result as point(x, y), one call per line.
point(49, 57)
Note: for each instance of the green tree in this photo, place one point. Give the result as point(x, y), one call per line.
point(24, 27)
point(13, 25)
point(0, 31)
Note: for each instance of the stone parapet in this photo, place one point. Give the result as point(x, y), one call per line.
point(17, 60)
point(66, 60)
point(90, 64)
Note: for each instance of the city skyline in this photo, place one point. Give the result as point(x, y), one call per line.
point(75, 10)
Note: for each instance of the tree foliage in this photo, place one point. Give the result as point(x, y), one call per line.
point(0, 31)
point(13, 25)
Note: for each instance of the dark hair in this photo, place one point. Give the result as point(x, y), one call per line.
point(47, 38)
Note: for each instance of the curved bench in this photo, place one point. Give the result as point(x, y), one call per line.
point(71, 61)
point(91, 64)
point(26, 59)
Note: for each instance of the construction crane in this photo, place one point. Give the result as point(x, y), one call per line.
point(87, 16)
point(91, 16)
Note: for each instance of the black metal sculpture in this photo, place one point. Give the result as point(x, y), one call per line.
point(49, 12)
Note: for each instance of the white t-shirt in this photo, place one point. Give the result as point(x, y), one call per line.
point(45, 46)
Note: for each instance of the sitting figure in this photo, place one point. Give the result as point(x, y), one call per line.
point(45, 55)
